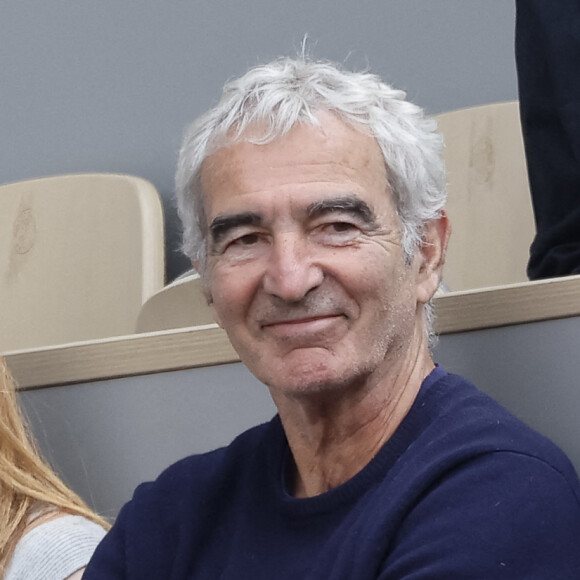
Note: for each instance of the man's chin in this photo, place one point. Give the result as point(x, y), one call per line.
point(301, 371)
point(308, 378)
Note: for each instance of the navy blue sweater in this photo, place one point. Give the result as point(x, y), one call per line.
point(462, 490)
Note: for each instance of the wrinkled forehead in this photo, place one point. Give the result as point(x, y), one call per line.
point(313, 151)
point(335, 141)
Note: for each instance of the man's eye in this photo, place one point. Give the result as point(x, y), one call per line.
point(244, 241)
point(341, 227)
point(247, 240)
point(337, 233)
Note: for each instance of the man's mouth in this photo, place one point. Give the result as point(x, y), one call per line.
point(298, 319)
point(305, 326)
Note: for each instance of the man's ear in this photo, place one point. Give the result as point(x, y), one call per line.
point(431, 255)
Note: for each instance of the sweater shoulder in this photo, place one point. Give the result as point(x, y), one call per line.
point(55, 549)
point(456, 422)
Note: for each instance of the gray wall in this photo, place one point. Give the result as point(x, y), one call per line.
point(108, 85)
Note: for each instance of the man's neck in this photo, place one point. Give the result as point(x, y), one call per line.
point(332, 438)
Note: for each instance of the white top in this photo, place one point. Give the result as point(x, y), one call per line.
point(55, 549)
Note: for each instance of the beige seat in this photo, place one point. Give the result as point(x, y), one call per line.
point(489, 200)
point(79, 254)
point(178, 305)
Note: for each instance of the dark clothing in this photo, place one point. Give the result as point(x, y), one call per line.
point(548, 66)
point(462, 490)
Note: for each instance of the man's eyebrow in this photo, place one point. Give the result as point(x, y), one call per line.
point(346, 203)
point(224, 223)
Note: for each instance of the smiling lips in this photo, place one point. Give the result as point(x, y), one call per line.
point(296, 327)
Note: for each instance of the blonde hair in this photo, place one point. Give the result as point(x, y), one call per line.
point(27, 481)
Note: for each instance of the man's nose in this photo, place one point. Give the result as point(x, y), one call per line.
point(291, 272)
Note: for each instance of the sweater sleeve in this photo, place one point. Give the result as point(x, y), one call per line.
point(55, 549)
point(501, 515)
point(141, 542)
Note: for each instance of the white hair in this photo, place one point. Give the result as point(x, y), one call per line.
point(285, 92)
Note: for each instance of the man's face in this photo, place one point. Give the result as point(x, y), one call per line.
point(305, 266)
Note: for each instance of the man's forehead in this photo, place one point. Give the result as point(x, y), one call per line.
point(334, 147)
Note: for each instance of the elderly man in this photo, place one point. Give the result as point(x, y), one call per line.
point(312, 202)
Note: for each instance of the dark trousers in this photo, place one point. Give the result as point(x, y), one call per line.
point(548, 66)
